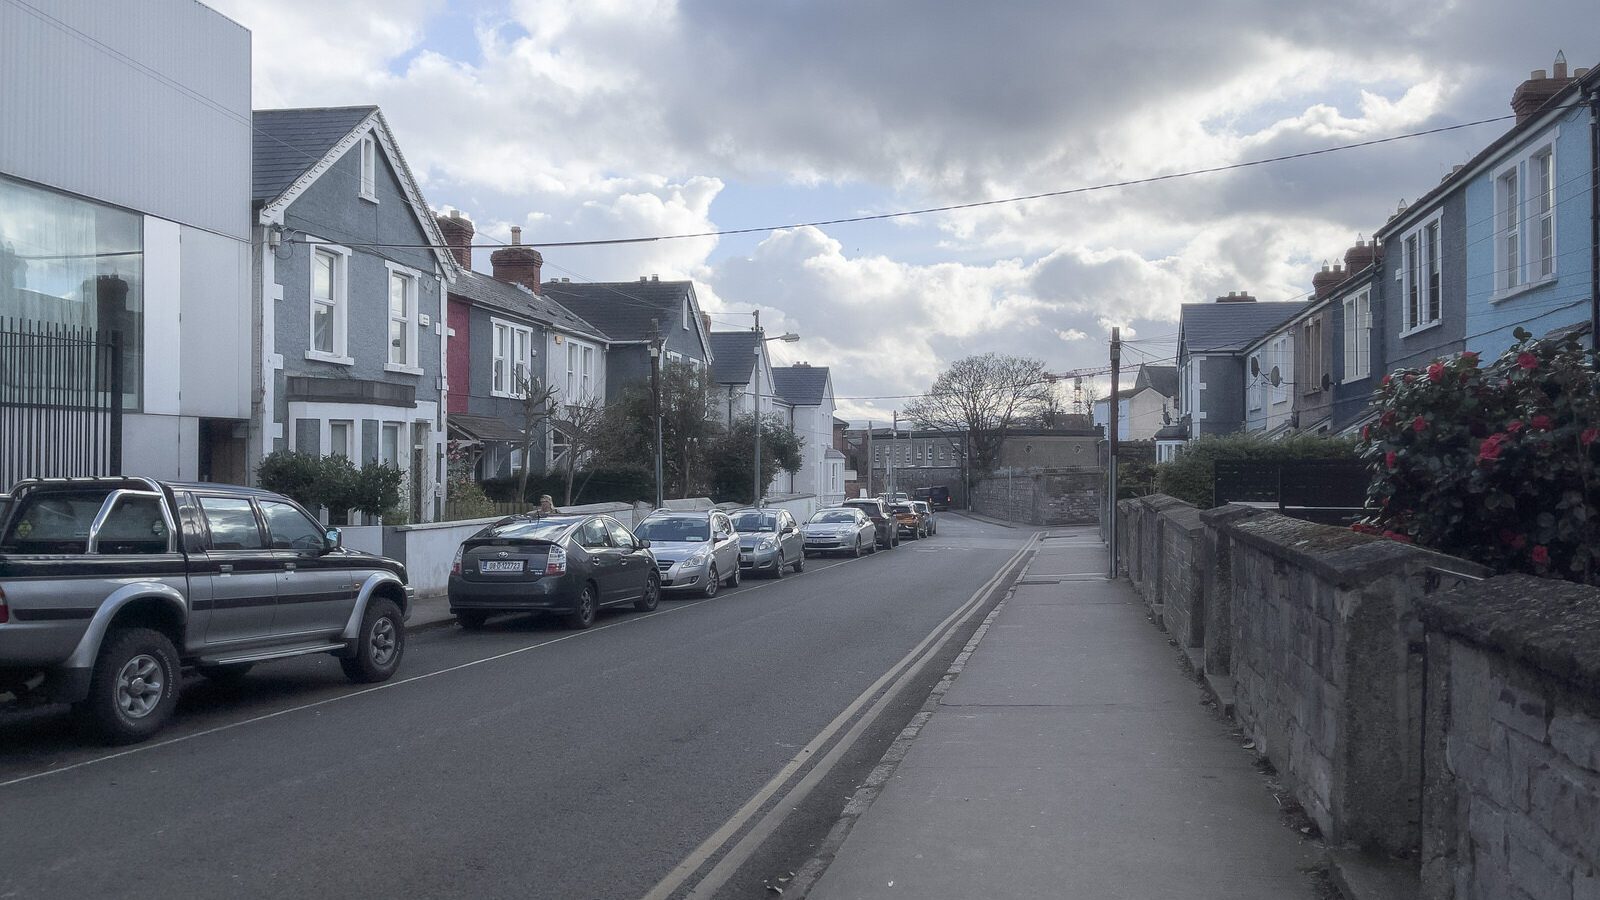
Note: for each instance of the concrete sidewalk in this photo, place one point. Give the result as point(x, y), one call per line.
point(1071, 758)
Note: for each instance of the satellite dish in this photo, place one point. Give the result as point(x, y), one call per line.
point(1255, 366)
point(1276, 377)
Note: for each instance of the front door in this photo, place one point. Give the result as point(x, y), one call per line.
point(316, 589)
point(242, 569)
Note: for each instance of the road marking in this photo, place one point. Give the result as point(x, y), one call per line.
point(142, 748)
point(680, 874)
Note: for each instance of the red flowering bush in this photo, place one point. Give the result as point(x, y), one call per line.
point(1499, 464)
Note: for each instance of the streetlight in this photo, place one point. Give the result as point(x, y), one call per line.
point(655, 401)
point(787, 337)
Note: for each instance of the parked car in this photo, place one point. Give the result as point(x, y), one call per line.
point(937, 496)
point(572, 565)
point(841, 530)
point(769, 541)
point(882, 519)
point(930, 521)
point(111, 587)
point(695, 551)
point(908, 520)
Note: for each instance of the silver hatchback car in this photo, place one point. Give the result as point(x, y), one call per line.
point(695, 551)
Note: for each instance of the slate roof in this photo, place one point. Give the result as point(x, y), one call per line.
point(801, 385)
point(287, 142)
point(733, 356)
point(623, 308)
point(483, 290)
point(1229, 327)
point(1173, 432)
point(484, 428)
point(1162, 379)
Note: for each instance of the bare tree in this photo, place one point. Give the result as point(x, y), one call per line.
point(582, 429)
point(536, 405)
point(985, 396)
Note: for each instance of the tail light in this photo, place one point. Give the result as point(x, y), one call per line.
point(555, 563)
point(5, 611)
point(455, 564)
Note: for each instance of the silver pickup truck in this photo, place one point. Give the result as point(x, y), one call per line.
point(111, 587)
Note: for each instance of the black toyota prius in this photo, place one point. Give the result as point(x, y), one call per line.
point(574, 565)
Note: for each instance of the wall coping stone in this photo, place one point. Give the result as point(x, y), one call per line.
point(1338, 555)
point(1218, 516)
point(1185, 517)
point(1159, 502)
point(1551, 626)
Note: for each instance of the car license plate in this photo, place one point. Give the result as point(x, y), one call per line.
point(500, 566)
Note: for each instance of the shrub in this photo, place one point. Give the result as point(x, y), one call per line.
point(1499, 464)
point(1192, 476)
point(294, 475)
point(333, 482)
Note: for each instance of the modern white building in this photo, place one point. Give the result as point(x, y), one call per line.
point(125, 215)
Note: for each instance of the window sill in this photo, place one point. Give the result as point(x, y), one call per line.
point(336, 359)
point(1502, 296)
point(370, 198)
point(1421, 328)
point(403, 370)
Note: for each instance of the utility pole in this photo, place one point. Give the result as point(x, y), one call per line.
point(869, 457)
point(655, 399)
point(894, 444)
point(1111, 479)
point(759, 342)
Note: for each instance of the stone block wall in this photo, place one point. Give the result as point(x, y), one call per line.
point(1215, 561)
point(1047, 497)
point(1512, 803)
point(1182, 589)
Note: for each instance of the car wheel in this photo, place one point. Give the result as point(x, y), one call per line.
point(588, 606)
point(134, 687)
point(800, 564)
point(873, 548)
point(777, 570)
point(229, 674)
point(713, 582)
point(379, 644)
point(733, 580)
point(472, 621)
point(857, 553)
point(652, 594)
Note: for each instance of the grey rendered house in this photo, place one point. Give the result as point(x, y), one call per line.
point(1212, 377)
point(350, 276)
point(1419, 294)
point(737, 369)
point(1355, 349)
point(505, 335)
point(629, 312)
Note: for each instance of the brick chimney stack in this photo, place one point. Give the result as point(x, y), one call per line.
point(1538, 89)
point(1237, 297)
point(1324, 282)
point(1360, 256)
point(458, 232)
point(517, 263)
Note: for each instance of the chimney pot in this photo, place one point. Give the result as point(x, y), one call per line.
point(1579, 73)
point(516, 235)
point(643, 279)
point(1538, 89)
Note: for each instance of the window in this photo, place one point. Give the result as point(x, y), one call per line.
point(402, 320)
point(329, 287)
point(339, 439)
point(513, 358)
point(1258, 377)
point(1311, 353)
point(369, 168)
point(1420, 276)
point(686, 314)
point(290, 529)
point(560, 445)
point(1280, 367)
point(572, 368)
point(587, 392)
point(593, 535)
point(1357, 336)
point(389, 445)
point(620, 535)
point(135, 524)
point(1524, 219)
point(233, 524)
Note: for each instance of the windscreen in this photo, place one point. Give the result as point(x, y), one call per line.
point(833, 516)
point(674, 529)
point(754, 521)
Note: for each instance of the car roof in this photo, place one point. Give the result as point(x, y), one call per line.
point(681, 514)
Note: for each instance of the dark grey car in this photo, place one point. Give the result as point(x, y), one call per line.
point(878, 511)
point(769, 541)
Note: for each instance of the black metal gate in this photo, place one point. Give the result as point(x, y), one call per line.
point(60, 401)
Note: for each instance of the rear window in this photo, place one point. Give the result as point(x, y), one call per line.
point(54, 522)
point(526, 529)
point(753, 521)
point(835, 516)
point(670, 529)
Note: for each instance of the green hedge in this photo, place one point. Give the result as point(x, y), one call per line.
point(1192, 476)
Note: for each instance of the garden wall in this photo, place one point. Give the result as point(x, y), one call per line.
point(1069, 496)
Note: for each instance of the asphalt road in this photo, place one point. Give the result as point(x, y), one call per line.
point(523, 761)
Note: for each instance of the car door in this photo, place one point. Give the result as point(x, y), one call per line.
point(789, 536)
point(242, 569)
point(724, 544)
point(605, 561)
point(316, 590)
point(634, 565)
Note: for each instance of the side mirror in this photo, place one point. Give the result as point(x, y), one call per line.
point(644, 543)
point(335, 539)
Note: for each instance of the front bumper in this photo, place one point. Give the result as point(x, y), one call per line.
point(758, 560)
point(681, 577)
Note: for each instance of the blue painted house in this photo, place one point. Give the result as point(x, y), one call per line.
point(350, 274)
point(1530, 212)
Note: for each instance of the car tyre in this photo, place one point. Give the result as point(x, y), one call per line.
point(800, 564)
point(777, 570)
point(133, 689)
point(228, 674)
point(733, 580)
point(652, 594)
point(380, 644)
point(713, 582)
point(588, 608)
point(472, 621)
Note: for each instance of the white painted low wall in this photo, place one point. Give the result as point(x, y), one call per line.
point(428, 550)
point(365, 538)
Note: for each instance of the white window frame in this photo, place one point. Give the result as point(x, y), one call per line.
point(1521, 221)
point(1280, 354)
point(1414, 271)
point(572, 370)
point(512, 348)
point(340, 257)
point(586, 375)
point(1358, 335)
point(412, 280)
point(368, 159)
point(686, 314)
point(402, 460)
point(1255, 397)
point(350, 450)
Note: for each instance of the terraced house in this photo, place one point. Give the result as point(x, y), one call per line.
point(351, 275)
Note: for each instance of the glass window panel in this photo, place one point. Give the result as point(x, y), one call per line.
point(339, 439)
point(389, 445)
point(397, 295)
point(233, 524)
point(1412, 281)
point(1433, 272)
point(322, 277)
point(290, 528)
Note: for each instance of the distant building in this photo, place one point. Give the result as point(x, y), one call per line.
point(1143, 410)
point(808, 392)
point(1212, 369)
point(630, 313)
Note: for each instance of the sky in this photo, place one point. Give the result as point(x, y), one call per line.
point(605, 119)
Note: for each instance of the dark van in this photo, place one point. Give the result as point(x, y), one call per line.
point(937, 496)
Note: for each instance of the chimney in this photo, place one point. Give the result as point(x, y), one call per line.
point(1360, 256)
point(1237, 297)
point(1323, 283)
point(655, 277)
point(1538, 89)
point(458, 232)
point(705, 321)
point(517, 263)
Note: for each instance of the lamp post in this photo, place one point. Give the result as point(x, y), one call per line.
point(761, 339)
point(655, 402)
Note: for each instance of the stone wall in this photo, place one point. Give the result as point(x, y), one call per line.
point(1182, 588)
point(1512, 747)
point(1047, 497)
